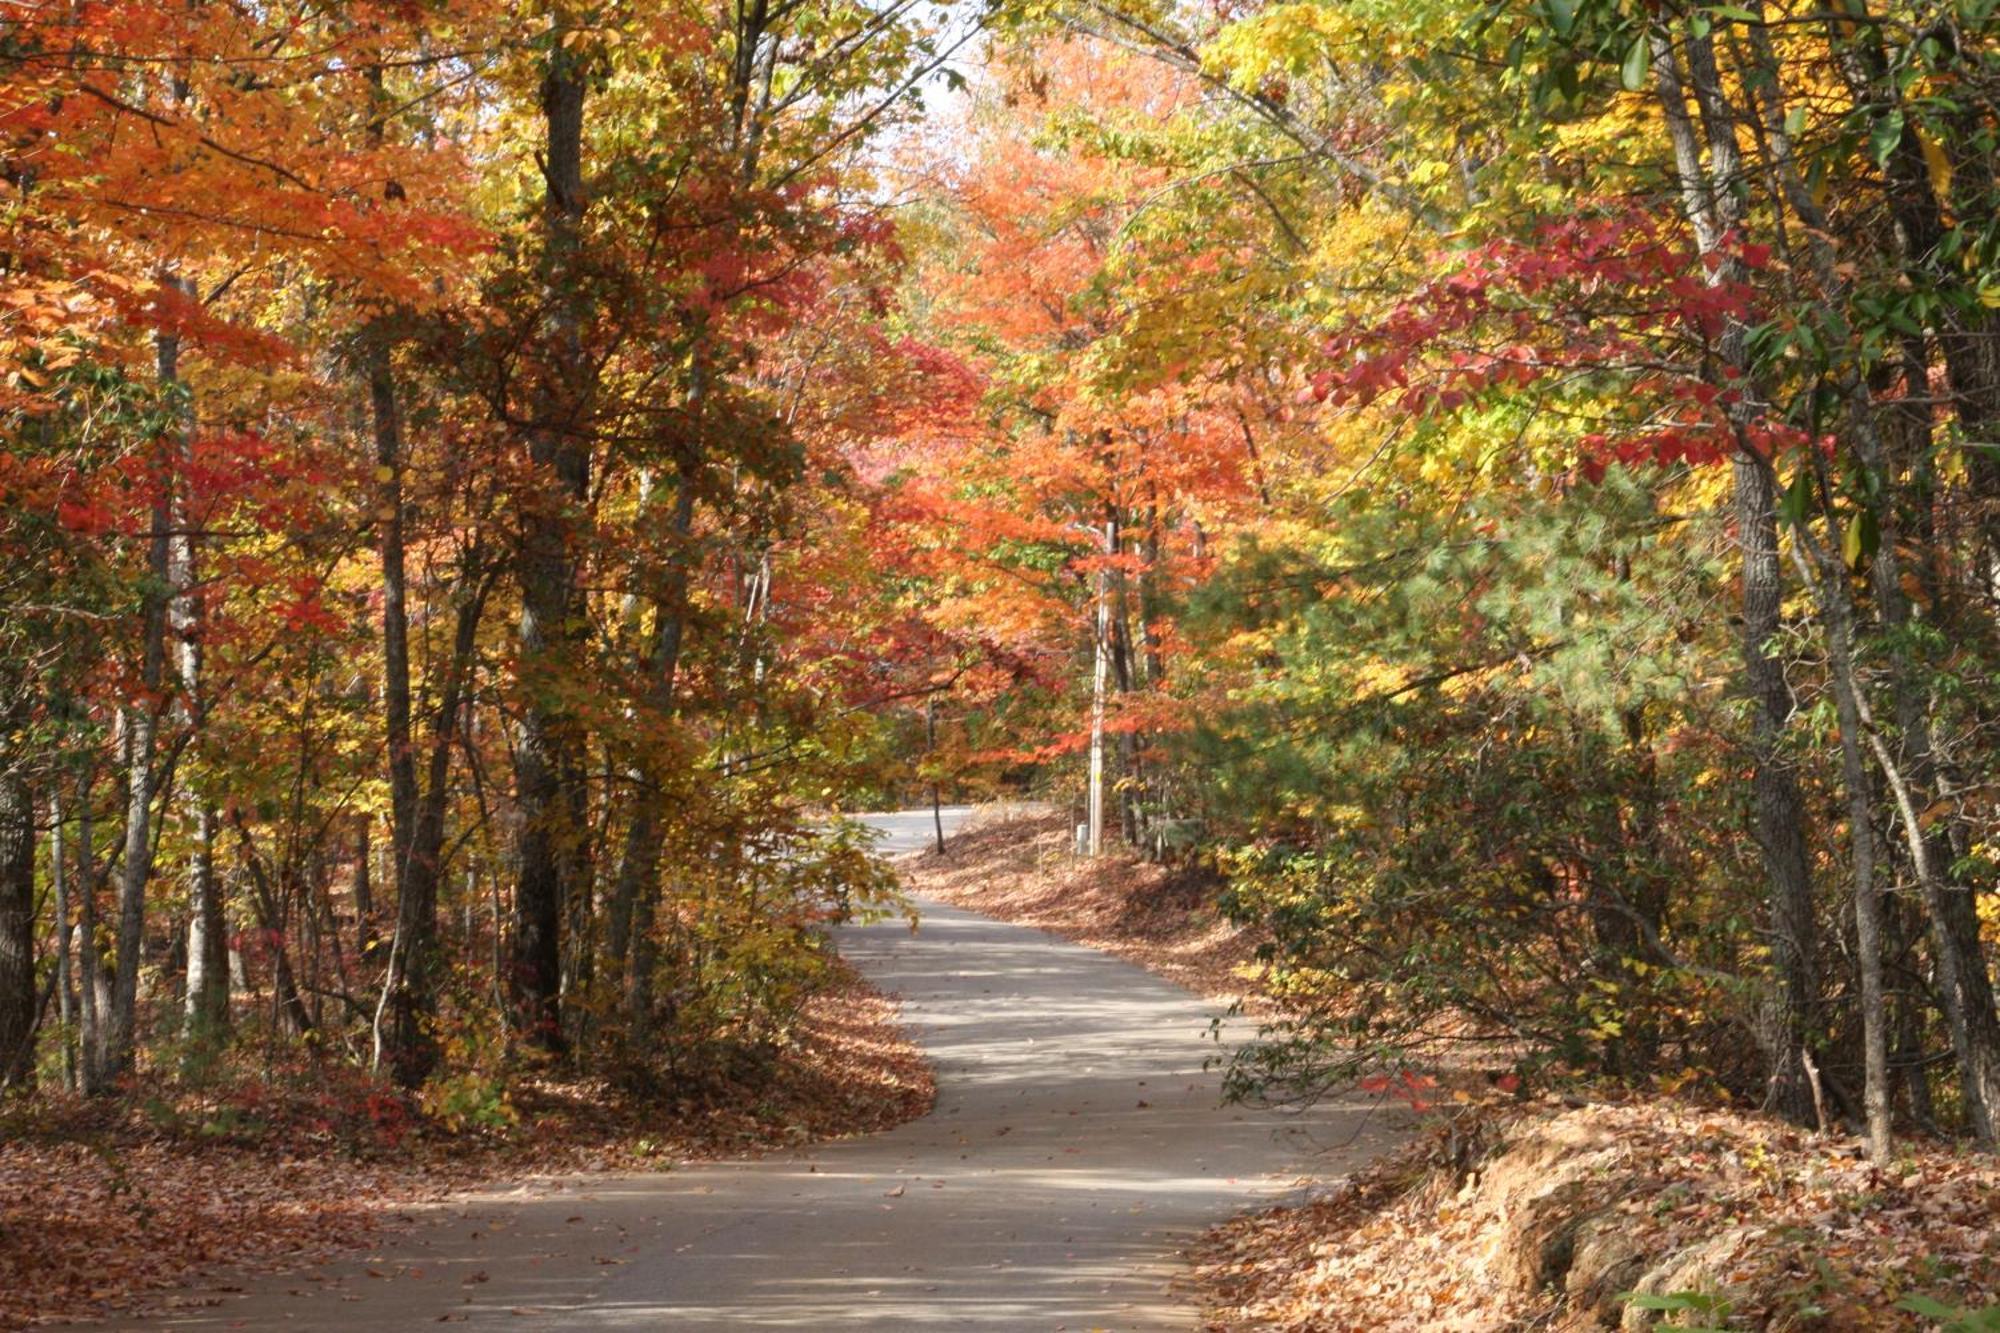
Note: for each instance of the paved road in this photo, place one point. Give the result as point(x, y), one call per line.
point(914, 830)
point(1077, 1143)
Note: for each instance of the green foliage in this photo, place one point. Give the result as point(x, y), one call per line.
point(1711, 1307)
point(1951, 1318)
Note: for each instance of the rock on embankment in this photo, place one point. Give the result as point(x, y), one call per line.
point(1554, 1218)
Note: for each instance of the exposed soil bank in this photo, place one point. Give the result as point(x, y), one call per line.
point(1548, 1218)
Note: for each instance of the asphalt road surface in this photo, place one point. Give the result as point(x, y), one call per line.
point(1077, 1145)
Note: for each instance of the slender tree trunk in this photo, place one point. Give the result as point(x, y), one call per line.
point(94, 1075)
point(17, 926)
point(386, 415)
point(407, 988)
point(412, 983)
point(1100, 681)
point(1829, 581)
point(1124, 671)
point(636, 892)
point(364, 886)
point(142, 718)
point(930, 751)
point(207, 994)
point(65, 927)
point(286, 994)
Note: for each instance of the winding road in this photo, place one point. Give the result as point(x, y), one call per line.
point(1077, 1145)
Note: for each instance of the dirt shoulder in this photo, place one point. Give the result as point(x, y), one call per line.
point(105, 1205)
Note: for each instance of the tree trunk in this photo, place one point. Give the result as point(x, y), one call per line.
point(364, 886)
point(65, 927)
point(142, 718)
point(412, 981)
point(1100, 681)
point(208, 942)
point(637, 888)
point(94, 1040)
point(930, 752)
point(207, 950)
point(407, 987)
point(17, 928)
point(1964, 983)
point(1124, 671)
point(1709, 196)
point(1837, 609)
point(545, 751)
point(1965, 327)
point(290, 1000)
point(388, 427)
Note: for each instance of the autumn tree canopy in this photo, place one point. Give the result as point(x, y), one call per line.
point(1509, 490)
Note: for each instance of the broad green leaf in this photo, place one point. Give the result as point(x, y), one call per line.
point(1797, 499)
point(1638, 58)
point(1861, 539)
point(1886, 134)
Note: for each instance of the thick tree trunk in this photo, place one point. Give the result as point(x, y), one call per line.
point(1780, 809)
point(208, 932)
point(412, 985)
point(17, 927)
point(1709, 195)
point(545, 754)
point(408, 987)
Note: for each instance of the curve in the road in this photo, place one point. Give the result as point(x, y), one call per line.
point(1077, 1144)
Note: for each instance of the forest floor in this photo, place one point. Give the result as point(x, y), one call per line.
point(105, 1204)
point(1542, 1212)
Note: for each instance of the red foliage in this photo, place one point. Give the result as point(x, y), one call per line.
point(1614, 294)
